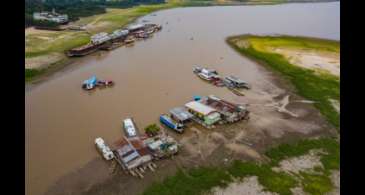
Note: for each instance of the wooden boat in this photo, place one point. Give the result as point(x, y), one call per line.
point(237, 91)
point(104, 83)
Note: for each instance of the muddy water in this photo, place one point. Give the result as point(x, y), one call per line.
point(151, 77)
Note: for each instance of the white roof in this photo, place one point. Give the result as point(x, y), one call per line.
point(199, 107)
point(135, 26)
point(129, 127)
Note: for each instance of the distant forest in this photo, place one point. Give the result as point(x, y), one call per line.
point(75, 8)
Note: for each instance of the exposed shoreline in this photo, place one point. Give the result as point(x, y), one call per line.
point(305, 80)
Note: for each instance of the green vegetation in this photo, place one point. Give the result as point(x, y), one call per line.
point(152, 129)
point(31, 73)
point(194, 181)
point(279, 182)
point(198, 180)
point(330, 159)
point(313, 85)
point(316, 184)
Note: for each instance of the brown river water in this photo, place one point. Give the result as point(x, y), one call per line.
point(151, 77)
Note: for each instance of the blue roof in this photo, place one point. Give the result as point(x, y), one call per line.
point(196, 97)
point(92, 80)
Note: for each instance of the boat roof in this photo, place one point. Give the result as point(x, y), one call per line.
point(135, 26)
point(181, 113)
point(91, 80)
point(129, 127)
point(155, 145)
point(199, 107)
point(233, 78)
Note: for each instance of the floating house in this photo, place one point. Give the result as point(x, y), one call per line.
point(100, 38)
point(103, 149)
point(181, 115)
point(132, 154)
point(162, 146)
point(206, 114)
point(120, 33)
point(130, 129)
point(232, 81)
point(230, 112)
point(135, 27)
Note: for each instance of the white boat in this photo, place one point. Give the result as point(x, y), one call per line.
point(129, 128)
point(104, 149)
point(208, 74)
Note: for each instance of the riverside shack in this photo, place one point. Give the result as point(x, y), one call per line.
point(181, 115)
point(205, 114)
point(133, 155)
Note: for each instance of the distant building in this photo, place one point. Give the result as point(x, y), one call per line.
point(51, 16)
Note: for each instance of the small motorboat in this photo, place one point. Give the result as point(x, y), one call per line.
point(236, 82)
point(90, 83)
point(237, 91)
point(106, 83)
point(197, 69)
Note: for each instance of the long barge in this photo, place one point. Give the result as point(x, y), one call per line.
point(105, 41)
point(83, 50)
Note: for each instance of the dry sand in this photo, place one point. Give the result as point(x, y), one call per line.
point(248, 186)
point(301, 163)
point(314, 60)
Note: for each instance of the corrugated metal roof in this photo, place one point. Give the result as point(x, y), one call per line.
point(130, 157)
point(180, 113)
point(199, 107)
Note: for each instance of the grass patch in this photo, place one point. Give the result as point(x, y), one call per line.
point(31, 73)
point(195, 181)
point(316, 184)
point(330, 160)
point(315, 86)
point(279, 182)
point(199, 180)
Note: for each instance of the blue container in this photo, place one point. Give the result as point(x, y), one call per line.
point(166, 120)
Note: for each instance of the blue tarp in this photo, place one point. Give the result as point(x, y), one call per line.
point(196, 97)
point(91, 81)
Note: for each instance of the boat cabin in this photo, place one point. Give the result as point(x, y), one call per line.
point(130, 129)
point(181, 115)
point(207, 114)
point(236, 82)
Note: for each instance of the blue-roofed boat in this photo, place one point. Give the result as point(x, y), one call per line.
point(90, 83)
point(166, 120)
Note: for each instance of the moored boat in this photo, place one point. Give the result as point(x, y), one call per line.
point(169, 122)
point(103, 149)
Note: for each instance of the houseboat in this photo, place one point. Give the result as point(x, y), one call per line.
point(103, 149)
point(236, 82)
point(205, 115)
point(130, 129)
point(167, 121)
point(206, 74)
